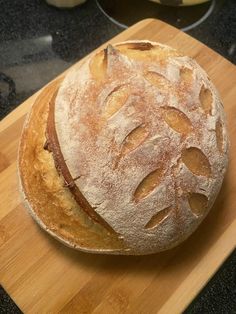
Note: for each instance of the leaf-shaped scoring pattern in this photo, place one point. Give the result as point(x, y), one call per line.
point(186, 75)
point(142, 46)
point(158, 218)
point(132, 141)
point(148, 184)
point(206, 99)
point(196, 161)
point(146, 51)
point(198, 203)
point(177, 120)
point(157, 80)
point(115, 100)
point(98, 65)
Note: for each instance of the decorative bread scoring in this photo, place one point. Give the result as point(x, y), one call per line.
point(46, 195)
point(141, 131)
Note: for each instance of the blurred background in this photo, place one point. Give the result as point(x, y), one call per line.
point(38, 41)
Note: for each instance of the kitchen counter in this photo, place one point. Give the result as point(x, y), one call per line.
point(38, 42)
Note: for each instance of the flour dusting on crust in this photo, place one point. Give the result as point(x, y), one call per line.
point(129, 177)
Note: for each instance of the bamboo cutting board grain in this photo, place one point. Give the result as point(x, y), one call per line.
point(43, 276)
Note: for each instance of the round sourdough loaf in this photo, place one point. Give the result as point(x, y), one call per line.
point(127, 154)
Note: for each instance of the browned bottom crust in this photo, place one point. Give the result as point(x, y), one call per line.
point(49, 201)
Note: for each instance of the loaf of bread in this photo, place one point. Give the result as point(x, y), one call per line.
point(127, 154)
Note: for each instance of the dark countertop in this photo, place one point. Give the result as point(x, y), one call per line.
point(38, 42)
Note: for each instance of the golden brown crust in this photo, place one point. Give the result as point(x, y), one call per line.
point(53, 146)
point(137, 126)
point(48, 200)
point(142, 133)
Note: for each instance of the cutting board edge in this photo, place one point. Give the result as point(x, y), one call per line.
point(115, 39)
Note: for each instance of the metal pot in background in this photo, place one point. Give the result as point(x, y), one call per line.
point(128, 12)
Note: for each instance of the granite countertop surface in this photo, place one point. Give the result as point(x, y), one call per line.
point(38, 42)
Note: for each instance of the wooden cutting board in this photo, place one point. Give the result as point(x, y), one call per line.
point(43, 276)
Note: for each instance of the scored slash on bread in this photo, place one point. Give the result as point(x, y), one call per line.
point(46, 197)
point(60, 164)
point(138, 140)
